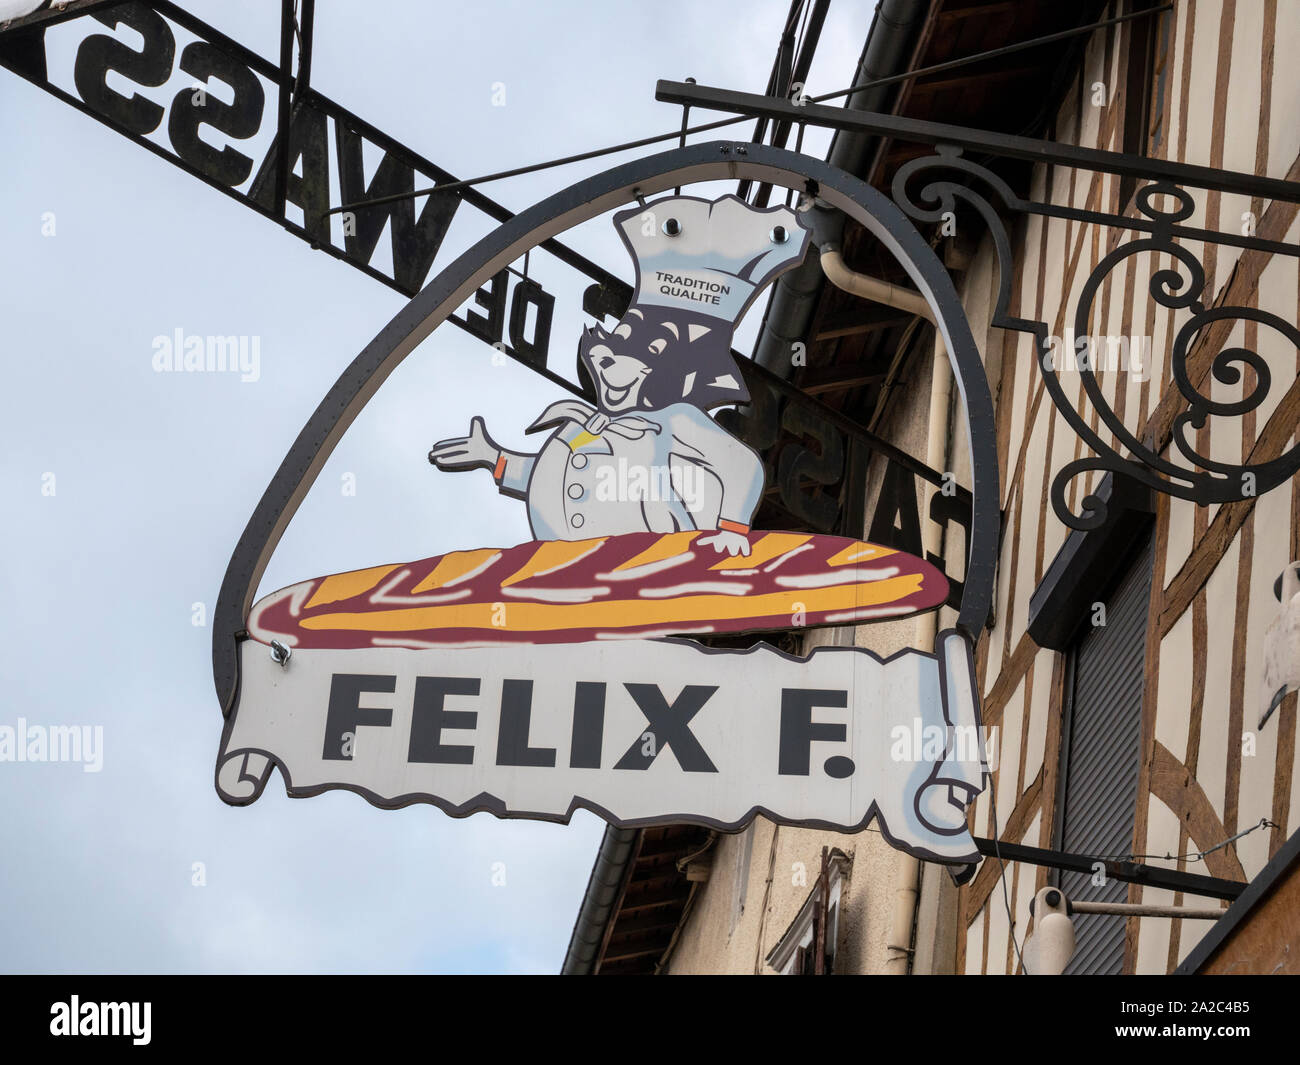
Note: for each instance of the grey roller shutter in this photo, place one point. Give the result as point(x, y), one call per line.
point(1099, 797)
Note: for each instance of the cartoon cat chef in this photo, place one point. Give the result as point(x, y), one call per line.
point(650, 457)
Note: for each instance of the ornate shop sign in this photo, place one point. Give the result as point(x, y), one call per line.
point(571, 668)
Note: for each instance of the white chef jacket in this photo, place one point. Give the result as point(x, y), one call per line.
point(653, 471)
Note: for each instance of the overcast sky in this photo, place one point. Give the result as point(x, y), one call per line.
point(107, 247)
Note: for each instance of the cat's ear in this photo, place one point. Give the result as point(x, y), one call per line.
point(591, 336)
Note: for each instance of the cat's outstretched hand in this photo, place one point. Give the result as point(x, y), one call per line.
point(476, 451)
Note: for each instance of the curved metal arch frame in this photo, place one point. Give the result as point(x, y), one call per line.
point(578, 203)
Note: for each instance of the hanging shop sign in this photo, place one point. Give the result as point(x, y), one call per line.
point(571, 669)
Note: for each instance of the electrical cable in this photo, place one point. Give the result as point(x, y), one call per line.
point(767, 894)
point(803, 26)
point(1002, 873)
point(677, 134)
point(1193, 856)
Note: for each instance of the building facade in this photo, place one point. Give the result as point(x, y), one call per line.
point(1121, 674)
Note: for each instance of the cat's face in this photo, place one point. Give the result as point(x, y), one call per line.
point(619, 378)
point(648, 363)
point(619, 364)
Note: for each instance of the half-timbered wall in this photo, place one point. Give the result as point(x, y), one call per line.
point(1232, 100)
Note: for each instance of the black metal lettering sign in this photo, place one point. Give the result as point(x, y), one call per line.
point(326, 150)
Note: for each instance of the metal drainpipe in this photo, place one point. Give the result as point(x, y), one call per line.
point(890, 41)
point(869, 288)
point(907, 889)
point(893, 34)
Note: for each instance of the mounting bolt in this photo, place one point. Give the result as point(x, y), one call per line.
point(726, 149)
point(779, 235)
point(280, 654)
point(672, 227)
point(741, 150)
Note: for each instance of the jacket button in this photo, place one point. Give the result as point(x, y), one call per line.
point(576, 521)
point(579, 462)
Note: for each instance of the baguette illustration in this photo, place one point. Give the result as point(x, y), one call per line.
point(633, 586)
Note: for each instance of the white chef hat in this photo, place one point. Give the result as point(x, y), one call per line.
point(708, 257)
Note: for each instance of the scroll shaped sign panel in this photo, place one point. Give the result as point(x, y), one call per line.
point(534, 678)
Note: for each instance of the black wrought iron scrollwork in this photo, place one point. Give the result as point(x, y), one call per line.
point(927, 187)
point(936, 199)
